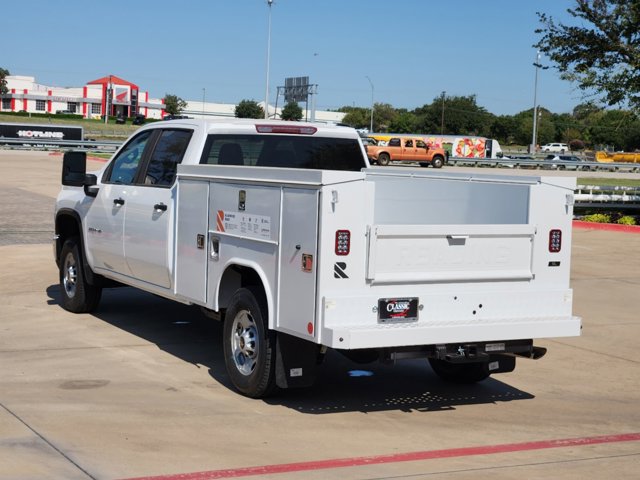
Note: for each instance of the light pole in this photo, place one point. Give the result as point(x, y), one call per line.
point(371, 124)
point(266, 94)
point(534, 136)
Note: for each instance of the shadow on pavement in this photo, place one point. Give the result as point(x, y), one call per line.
point(341, 386)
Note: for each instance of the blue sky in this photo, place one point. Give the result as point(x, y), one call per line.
point(412, 50)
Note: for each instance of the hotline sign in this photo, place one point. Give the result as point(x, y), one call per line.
point(397, 310)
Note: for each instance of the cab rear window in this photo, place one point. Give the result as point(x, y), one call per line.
point(286, 151)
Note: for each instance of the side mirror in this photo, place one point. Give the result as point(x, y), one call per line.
point(90, 182)
point(74, 169)
point(74, 173)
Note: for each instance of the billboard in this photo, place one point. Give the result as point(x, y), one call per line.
point(296, 89)
point(29, 131)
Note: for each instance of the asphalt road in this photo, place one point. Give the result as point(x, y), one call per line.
point(139, 388)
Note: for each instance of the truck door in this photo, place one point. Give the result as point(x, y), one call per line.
point(148, 226)
point(104, 223)
point(409, 149)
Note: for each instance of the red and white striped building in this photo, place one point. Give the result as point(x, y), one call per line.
point(90, 101)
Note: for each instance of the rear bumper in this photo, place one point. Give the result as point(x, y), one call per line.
point(411, 334)
point(447, 315)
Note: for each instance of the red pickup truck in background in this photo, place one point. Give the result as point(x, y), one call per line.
point(407, 149)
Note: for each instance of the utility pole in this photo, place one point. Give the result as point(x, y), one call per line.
point(442, 116)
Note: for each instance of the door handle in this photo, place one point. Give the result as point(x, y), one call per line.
point(118, 201)
point(160, 207)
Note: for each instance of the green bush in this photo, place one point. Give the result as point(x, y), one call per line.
point(597, 218)
point(627, 220)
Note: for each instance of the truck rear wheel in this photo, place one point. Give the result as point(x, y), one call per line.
point(249, 346)
point(437, 161)
point(383, 159)
point(78, 296)
point(460, 372)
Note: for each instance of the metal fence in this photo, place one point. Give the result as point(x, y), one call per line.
point(540, 164)
point(102, 146)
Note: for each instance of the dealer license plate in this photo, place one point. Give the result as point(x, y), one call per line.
point(397, 310)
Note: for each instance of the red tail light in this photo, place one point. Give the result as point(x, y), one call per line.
point(555, 241)
point(343, 242)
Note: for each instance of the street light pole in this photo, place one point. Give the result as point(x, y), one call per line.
point(371, 124)
point(266, 94)
point(534, 136)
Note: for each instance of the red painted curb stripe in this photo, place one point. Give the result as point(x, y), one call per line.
point(612, 227)
point(396, 458)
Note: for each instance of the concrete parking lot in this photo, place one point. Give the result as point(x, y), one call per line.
point(138, 389)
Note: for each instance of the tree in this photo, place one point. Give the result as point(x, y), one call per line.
point(404, 122)
point(356, 117)
point(462, 116)
point(545, 128)
point(291, 111)
point(502, 129)
point(611, 128)
point(383, 116)
point(249, 109)
point(601, 52)
point(3, 81)
point(173, 104)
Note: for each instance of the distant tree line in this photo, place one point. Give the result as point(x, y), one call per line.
point(587, 126)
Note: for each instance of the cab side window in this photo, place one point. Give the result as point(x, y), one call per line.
point(125, 166)
point(394, 142)
point(167, 154)
point(408, 143)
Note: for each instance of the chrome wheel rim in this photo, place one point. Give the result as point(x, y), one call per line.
point(244, 342)
point(70, 278)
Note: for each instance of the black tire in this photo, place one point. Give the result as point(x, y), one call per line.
point(437, 161)
point(460, 372)
point(78, 296)
point(249, 346)
point(383, 159)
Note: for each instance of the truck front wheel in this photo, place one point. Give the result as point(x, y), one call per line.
point(460, 372)
point(78, 296)
point(383, 159)
point(437, 161)
point(249, 346)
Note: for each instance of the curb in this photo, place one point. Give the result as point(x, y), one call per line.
point(610, 227)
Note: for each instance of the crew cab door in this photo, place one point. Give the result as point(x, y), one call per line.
point(104, 223)
point(148, 226)
point(409, 149)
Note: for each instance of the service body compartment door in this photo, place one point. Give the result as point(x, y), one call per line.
point(244, 230)
point(450, 253)
point(298, 262)
point(191, 244)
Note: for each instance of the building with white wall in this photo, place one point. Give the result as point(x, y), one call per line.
point(90, 100)
point(120, 97)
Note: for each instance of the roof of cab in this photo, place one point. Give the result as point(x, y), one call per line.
point(248, 125)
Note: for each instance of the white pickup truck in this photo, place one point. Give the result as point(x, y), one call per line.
point(282, 231)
